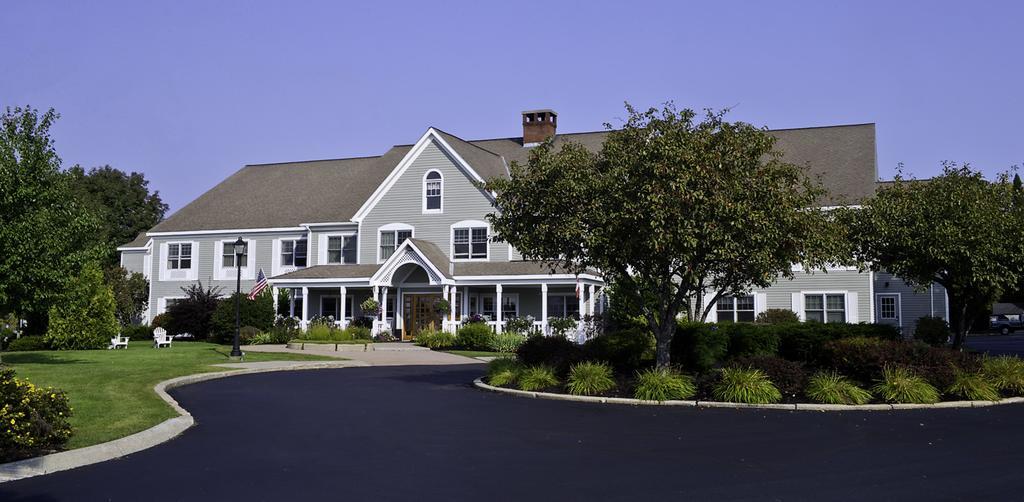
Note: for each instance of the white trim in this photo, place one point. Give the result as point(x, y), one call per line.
point(871, 294)
point(321, 247)
point(403, 165)
point(229, 274)
point(234, 231)
point(407, 253)
point(468, 224)
point(330, 224)
point(394, 227)
point(179, 274)
point(439, 210)
point(275, 263)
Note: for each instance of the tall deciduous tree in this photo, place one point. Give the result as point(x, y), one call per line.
point(677, 210)
point(122, 201)
point(957, 229)
point(46, 235)
point(131, 293)
point(85, 319)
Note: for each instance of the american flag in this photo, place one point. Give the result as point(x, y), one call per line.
point(261, 284)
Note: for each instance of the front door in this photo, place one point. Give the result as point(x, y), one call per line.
point(418, 314)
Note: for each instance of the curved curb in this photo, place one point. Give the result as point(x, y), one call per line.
point(479, 383)
point(159, 433)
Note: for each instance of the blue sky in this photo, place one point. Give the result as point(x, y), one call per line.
point(188, 92)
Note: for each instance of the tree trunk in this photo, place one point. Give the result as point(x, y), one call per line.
point(958, 321)
point(663, 334)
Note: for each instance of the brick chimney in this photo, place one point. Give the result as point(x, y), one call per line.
point(538, 125)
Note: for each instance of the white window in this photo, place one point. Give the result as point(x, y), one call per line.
point(483, 305)
point(389, 241)
point(179, 255)
point(228, 255)
point(887, 307)
point(470, 240)
point(825, 307)
point(563, 306)
point(341, 249)
point(509, 305)
point(293, 252)
point(735, 308)
point(433, 187)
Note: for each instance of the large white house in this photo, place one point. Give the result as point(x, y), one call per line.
point(409, 227)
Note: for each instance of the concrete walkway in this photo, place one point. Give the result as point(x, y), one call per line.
point(384, 355)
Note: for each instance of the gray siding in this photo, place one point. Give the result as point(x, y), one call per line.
point(133, 260)
point(780, 295)
point(913, 304)
point(403, 203)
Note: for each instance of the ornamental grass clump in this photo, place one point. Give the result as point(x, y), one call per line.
point(435, 339)
point(972, 386)
point(902, 385)
point(537, 378)
point(746, 385)
point(1006, 373)
point(590, 378)
point(830, 387)
point(506, 342)
point(663, 385)
point(503, 372)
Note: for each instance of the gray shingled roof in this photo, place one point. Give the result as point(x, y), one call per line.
point(289, 194)
point(139, 241)
point(434, 255)
point(331, 272)
point(506, 268)
point(842, 156)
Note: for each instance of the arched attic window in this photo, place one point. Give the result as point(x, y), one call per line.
point(433, 189)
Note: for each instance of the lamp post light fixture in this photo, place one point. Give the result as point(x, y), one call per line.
point(239, 251)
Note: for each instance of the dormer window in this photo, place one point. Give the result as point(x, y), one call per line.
point(433, 187)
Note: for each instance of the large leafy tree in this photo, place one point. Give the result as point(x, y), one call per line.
point(46, 235)
point(958, 229)
point(131, 293)
point(674, 209)
point(123, 202)
point(86, 318)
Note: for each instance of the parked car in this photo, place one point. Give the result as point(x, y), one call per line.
point(1005, 323)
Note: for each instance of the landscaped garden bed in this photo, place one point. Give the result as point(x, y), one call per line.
point(761, 364)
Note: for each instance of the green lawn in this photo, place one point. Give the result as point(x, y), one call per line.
point(479, 353)
point(111, 391)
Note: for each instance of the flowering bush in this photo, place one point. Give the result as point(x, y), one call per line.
point(442, 307)
point(519, 325)
point(384, 336)
point(562, 326)
point(33, 420)
point(475, 318)
point(370, 307)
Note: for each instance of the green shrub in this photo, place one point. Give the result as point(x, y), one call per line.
point(751, 339)
point(194, 313)
point(320, 332)
point(475, 336)
point(746, 385)
point(363, 333)
point(537, 378)
point(902, 385)
point(27, 343)
point(257, 313)
point(506, 342)
point(553, 351)
point(829, 387)
point(777, 316)
point(699, 346)
point(1006, 373)
point(261, 339)
point(663, 385)
point(625, 350)
point(435, 339)
point(503, 371)
point(519, 325)
point(85, 318)
point(864, 359)
point(160, 321)
point(804, 341)
point(788, 376)
point(589, 378)
point(137, 331)
point(973, 387)
point(35, 419)
point(562, 326)
point(285, 329)
point(932, 330)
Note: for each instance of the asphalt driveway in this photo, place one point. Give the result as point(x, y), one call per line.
point(423, 433)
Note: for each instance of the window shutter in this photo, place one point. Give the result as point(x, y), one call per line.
point(798, 305)
point(852, 315)
point(760, 303)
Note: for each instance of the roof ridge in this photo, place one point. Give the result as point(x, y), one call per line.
point(466, 141)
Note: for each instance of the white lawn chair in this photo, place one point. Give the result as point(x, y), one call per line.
point(160, 338)
point(118, 342)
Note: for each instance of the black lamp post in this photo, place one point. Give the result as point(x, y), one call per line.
point(239, 251)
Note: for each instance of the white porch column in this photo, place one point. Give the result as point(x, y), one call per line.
point(342, 294)
point(305, 306)
point(291, 302)
point(582, 292)
point(497, 307)
point(451, 305)
point(544, 309)
point(384, 309)
point(465, 301)
point(273, 292)
point(590, 300)
point(376, 319)
point(399, 310)
point(445, 290)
